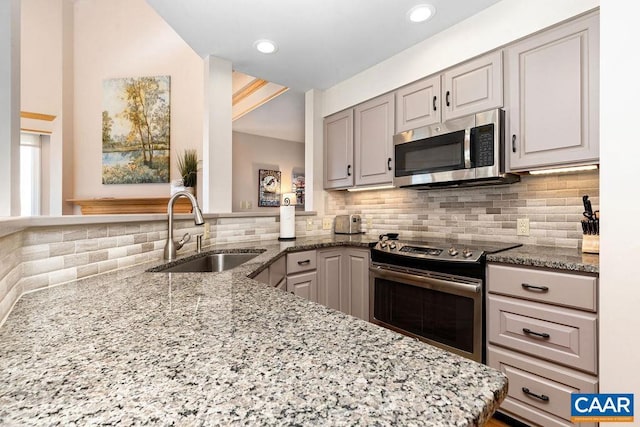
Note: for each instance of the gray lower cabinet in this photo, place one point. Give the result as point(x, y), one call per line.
point(275, 275)
point(552, 88)
point(301, 274)
point(343, 280)
point(542, 333)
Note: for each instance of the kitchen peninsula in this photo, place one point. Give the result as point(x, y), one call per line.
point(134, 347)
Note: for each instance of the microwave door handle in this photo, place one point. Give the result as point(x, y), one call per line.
point(467, 148)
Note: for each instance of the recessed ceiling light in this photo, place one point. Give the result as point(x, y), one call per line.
point(421, 13)
point(265, 46)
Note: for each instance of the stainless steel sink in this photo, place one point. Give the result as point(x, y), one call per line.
point(208, 263)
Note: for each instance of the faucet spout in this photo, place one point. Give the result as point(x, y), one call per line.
point(170, 247)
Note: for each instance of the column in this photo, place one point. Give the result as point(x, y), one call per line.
point(217, 148)
point(313, 151)
point(9, 108)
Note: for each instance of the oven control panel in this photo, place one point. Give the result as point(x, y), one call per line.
point(427, 251)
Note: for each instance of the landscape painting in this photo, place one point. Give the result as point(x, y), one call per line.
point(135, 130)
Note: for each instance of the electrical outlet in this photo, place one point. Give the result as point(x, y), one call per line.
point(207, 231)
point(326, 223)
point(522, 226)
point(369, 224)
point(243, 204)
point(309, 224)
point(249, 204)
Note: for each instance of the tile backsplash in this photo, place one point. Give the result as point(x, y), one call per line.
point(552, 203)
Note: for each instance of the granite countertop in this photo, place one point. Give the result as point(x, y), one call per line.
point(133, 347)
point(543, 256)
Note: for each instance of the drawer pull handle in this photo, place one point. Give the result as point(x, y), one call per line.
point(538, 334)
point(535, 288)
point(542, 397)
point(305, 262)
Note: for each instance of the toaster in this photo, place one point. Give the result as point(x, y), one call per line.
point(348, 224)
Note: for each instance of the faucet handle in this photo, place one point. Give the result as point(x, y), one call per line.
point(182, 241)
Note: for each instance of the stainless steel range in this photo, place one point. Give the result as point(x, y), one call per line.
point(432, 290)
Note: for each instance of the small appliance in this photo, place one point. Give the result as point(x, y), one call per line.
point(348, 224)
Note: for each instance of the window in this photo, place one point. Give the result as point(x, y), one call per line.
point(30, 175)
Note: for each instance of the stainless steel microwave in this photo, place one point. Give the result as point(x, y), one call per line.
point(465, 151)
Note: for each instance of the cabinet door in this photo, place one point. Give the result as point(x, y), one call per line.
point(418, 104)
point(374, 122)
point(338, 150)
point(552, 96)
point(357, 270)
point(304, 285)
point(473, 87)
point(332, 287)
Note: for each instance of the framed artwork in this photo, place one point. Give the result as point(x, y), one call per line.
point(297, 186)
point(268, 188)
point(135, 130)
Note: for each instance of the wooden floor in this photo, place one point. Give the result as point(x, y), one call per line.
point(495, 423)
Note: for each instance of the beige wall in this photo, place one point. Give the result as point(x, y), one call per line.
point(251, 153)
point(126, 38)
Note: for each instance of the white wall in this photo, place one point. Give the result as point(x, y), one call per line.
point(620, 238)
point(126, 38)
point(495, 26)
point(252, 152)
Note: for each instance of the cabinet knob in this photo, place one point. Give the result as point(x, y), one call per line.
point(389, 163)
point(447, 98)
point(513, 143)
point(349, 170)
point(528, 392)
point(434, 103)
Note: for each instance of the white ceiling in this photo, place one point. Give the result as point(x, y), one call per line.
point(321, 43)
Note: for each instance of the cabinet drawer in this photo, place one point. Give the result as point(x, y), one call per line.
point(557, 334)
point(571, 290)
point(301, 261)
point(539, 391)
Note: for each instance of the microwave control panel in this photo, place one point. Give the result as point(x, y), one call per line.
point(482, 137)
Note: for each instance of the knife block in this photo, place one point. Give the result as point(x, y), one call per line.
point(591, 243)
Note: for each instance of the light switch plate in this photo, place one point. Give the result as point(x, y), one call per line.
point(522, 226)
point(207, 230)
point(326, 223)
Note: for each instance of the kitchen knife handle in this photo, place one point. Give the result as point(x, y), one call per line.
point(389, 163)
point(535, 288)
point(434, 103)
point(513, 143)
point(538, 334)
point(447, 98)
point(542, 397)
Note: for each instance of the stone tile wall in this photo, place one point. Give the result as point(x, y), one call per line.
point(39, 257)
point(553, 205)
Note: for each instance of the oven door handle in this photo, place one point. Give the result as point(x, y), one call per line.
point(426, 282)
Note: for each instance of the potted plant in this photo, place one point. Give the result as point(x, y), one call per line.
point(188, 168)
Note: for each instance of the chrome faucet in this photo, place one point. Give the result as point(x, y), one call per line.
point(171, 247)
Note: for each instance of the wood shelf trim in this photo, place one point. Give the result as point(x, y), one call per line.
point(37, 116)
point(144, 205)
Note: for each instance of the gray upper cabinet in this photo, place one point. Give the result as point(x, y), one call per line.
point(418, 104)
point(553, 96)
point(338, 150)
point(473, 86)
point(468, 88)
point(374, 128)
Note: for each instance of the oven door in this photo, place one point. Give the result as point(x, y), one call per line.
point(440, 309)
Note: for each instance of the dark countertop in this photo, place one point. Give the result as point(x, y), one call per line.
point(132, 347)
point(549, 257)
